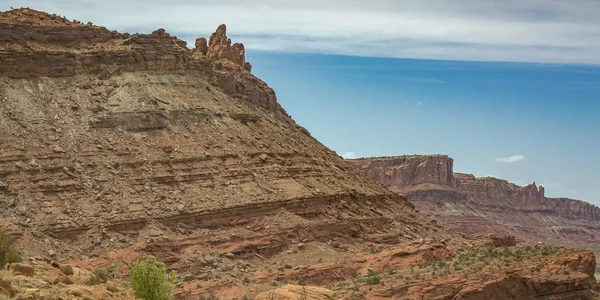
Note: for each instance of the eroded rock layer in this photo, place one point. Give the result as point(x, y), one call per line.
point(477, 206)
point(106, 129)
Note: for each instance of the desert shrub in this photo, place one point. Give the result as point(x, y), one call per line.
point(373, 280)
point(98, 276)
point(210, 297)
point(9, 253)
point(150, 280)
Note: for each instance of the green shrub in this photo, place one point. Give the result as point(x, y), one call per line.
point(9, 253)
point(98, 276)
point(210, 297)
point(373, 280)
point(150, 280)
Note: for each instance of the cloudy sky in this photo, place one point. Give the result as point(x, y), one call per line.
point(507, 88)
point(512, 30)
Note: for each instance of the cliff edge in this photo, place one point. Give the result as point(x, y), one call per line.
point(478, 206)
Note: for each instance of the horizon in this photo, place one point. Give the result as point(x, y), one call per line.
point(515, 106)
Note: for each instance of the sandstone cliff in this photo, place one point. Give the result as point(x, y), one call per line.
point(115, 130)
point(478, 206)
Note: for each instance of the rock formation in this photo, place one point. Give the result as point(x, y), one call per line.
point(478, 206)
point(114, 145)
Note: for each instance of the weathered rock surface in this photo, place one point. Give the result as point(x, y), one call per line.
point(294, 292)
point(478, 206)
point(107, 129)
point(21, 269)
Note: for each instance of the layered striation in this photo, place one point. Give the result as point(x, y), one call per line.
point(100, 129)
point(477, 206)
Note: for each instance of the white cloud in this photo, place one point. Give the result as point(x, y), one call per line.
point(419, 103)
point(510, 159)
point(348, 155)
point(543, 31)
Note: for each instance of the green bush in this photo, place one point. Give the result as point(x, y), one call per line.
point(98, 276)
point(210, 297)
point(9, 253)
point(150, 280)
point(373, 279)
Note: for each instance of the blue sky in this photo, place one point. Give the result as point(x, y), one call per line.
point(546, 117)
point(507, 88)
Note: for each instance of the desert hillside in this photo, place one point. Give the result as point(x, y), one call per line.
point(114, 146)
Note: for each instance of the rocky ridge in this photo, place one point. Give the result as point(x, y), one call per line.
point(468, 202)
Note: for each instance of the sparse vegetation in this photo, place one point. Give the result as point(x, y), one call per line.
point(150, 280)
point(98, 276)
point(9, 253)
point(301, 282)
point(210, 297)
point(375, 249)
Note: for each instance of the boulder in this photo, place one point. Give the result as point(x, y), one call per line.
point(67, 269)
point(21, 269)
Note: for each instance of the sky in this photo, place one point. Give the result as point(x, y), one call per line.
point(509, 89)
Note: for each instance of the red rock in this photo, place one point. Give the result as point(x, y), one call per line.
point(201, 46)
point(478, 206)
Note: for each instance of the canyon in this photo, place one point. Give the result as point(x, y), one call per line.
point(486, 205)
point(116, 145)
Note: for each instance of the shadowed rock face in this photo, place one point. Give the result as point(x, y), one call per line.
point(482, 205)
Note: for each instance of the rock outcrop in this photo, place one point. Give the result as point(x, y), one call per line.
point(403, 171)
point(477, 206)
point(105, 133)
point(61, 48)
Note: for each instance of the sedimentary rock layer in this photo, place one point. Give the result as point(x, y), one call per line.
point(485, 205)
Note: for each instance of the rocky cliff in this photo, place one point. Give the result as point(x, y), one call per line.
point(106, 129)
point(482, 205)
point(405, 171)
point(115, 145)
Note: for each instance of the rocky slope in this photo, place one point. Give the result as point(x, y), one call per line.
point(115, 145)
point(116, 130)
point(478, 206)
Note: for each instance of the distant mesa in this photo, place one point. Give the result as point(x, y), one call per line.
point(477, 206)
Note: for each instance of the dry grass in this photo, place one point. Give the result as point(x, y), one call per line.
point(5, 275)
